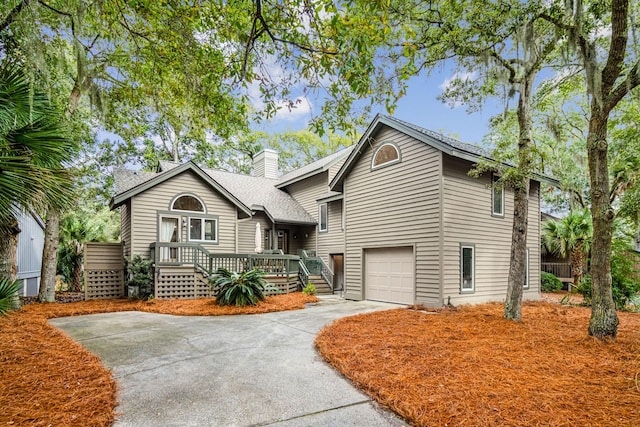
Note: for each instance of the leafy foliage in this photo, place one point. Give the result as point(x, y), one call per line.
point(140, 273)
point(569, 236)
point(625, 280)
point(8, 295)
point(239, 289)
point(84, 224)
point(310, 289)
point(550, 283)
point(33, 146)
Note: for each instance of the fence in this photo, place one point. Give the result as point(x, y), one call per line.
point(103, 270)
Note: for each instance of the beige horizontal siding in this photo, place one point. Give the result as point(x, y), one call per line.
point(397, 205)
point(103, 256)
point(145, 208)
point(467, 219)
point(332, 241)
point(247, 232)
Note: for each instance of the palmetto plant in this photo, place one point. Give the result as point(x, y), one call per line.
point(570, 236)
point(33, 146)
point(8, 297)
point(239, 289)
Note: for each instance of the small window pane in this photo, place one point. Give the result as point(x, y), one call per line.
point(323, 217)
point(385, 154)
point(497, 201)
point(188, 203)
point(195, 229)
point(209, 229)
point(467, 268)
point(526, 270)
point(497, 196)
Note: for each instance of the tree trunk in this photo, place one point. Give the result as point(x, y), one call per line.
point(47, 292)
point(604, 319)
point(577, 256)
point(76, 284)
point(517, 267)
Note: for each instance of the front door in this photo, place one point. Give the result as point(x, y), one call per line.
point(283, 241)
point(169, 232)
point(338, 271)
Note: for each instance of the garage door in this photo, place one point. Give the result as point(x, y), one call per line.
point(389, 274)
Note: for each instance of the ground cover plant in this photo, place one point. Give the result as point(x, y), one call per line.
point(49, 380)
point(469, 366)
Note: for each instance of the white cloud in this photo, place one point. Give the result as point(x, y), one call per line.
point(447, 84)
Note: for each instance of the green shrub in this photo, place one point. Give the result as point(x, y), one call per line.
point(310, 289)
point(584, 288)
point(8, 295)
point(140, 274)
point(239, 289)
point(624, 283)
point(550, 283)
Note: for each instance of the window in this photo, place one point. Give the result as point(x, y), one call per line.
point(203, 229)
point(526, 269)
point(188, 203)
point(386, 154)
point(497, 197)
point(467, 268)
point(324, 220)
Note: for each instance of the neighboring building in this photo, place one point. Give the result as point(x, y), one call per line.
point(395, 217)
point(29, 255)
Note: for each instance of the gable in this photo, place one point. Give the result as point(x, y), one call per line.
point(433, 139)
point(151, 181)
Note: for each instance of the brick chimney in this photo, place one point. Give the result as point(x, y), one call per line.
point(265, 164)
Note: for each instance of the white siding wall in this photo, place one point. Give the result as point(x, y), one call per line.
point(30, 244)
point(397, 205)
point(145, 207)
point(467, 219)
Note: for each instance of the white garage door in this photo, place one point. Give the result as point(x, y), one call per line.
point(389, 275)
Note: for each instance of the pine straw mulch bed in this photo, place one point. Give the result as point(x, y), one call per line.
point(468, 366)
point(47, 379)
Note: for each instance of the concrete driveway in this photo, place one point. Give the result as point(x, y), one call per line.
point(251, 370)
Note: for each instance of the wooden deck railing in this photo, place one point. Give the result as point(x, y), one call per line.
point(170, 253)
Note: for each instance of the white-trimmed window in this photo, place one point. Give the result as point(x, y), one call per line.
point(526, 270)
point(188, 203)
point(497, 197)
point(387, 154)
point(323, 217)
point(467, 268)
point(203, 229)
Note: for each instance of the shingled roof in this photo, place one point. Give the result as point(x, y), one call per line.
point(313, 168)
point(256, 193)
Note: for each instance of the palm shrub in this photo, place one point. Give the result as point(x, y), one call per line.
point(239, 289)
point(8, 295)
point(550, 283)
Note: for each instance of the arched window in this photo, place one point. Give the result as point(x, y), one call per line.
point(386, 154)
point(187, 203)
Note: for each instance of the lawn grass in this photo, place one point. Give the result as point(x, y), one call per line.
point(47, 379)
point(468, 366)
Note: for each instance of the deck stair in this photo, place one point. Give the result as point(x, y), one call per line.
point(322, 287)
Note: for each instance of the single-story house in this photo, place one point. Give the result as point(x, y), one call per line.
point(395, 217)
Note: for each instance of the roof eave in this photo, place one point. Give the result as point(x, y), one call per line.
point(379, 120)
point(300, 178)
point(119, 199)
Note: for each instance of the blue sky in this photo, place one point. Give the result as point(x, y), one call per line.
point(420, 106)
